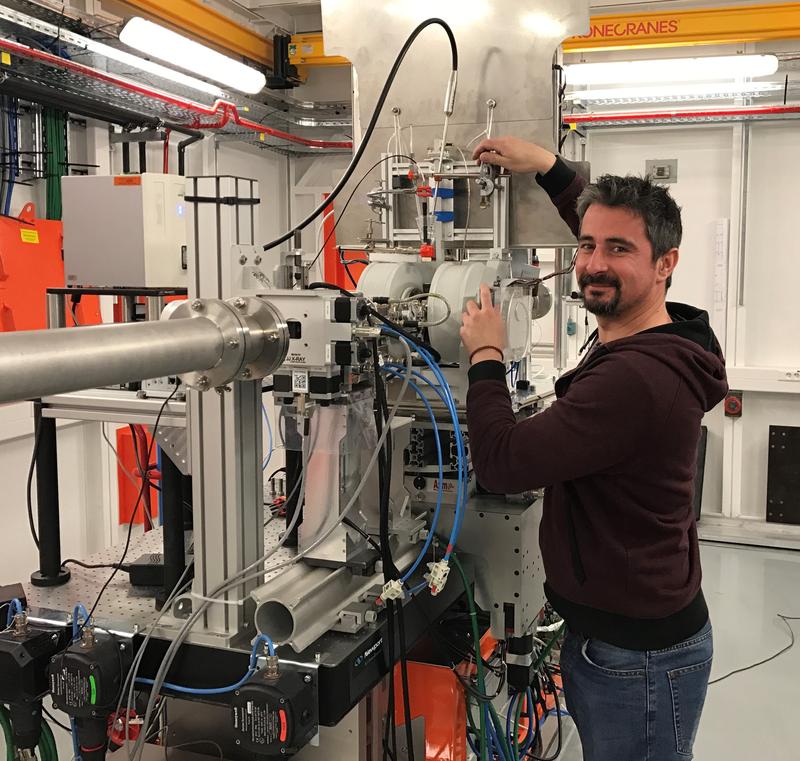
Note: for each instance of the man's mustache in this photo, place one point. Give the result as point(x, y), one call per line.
point(599, 279)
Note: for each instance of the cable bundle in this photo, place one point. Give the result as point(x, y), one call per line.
point(55, 158)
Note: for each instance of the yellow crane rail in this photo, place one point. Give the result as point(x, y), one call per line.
point(701, 26)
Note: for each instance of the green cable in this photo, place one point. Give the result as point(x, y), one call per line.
point(517, 715)
point(8, 733)
point(548, 647)
point(47, 744)
point(500, 730)
point(473, 616)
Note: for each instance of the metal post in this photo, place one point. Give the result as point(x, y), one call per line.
point(226, 439)
point(142, 157)
point(172, 523)
point(50, 573)
point(559, 323)
point(154, 306)
point(128, 308)
point(56, 310)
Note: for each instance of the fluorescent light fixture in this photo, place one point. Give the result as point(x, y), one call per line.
point(113, 54)
point(150, 67)
point(174, 48)
point(671, 70)
point(666, 93)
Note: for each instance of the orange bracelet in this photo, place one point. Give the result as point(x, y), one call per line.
point(481, 348)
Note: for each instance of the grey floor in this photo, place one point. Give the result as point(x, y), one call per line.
point(752, 715)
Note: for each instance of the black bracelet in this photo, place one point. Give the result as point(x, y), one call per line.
point(481, 348)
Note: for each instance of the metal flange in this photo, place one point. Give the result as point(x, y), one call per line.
point(224, 317)
point(267, 341)
point(255, 338)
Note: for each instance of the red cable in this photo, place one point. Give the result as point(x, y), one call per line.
point(166, 150)
point(141, 450)
point(224, 110)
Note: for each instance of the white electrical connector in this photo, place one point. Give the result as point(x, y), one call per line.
point(437, 575)
point(393, 590)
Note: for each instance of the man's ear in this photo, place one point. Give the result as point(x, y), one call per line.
point(666, 264)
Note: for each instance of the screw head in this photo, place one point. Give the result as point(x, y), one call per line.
point(242, 259)
point(282, 701)
point(239, 302)
point(202, 382)
point(122, 646)
point(197, 305)
point(238, 742)
point(307, 678)
point(271, 337)
point(236, 693)
point(318, 657)
point(246, 373)
point(141, 394)
point(233, 343)
point(257, 260)
point(283, 751)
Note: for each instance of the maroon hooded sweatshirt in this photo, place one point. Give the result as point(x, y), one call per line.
point(616, 453)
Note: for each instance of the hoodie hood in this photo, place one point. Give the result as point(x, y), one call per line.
point(687, 345)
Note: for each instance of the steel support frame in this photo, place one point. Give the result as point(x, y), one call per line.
point(225, 427)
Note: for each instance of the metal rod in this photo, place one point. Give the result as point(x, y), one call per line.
point(142, 157)
point(559, 323)
point(50, 573)
point(154, 306)
point(743, 191)
point(128, 304)
point(36, 363)
point(56, 310)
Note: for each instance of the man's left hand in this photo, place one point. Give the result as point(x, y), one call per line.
point(482, 326)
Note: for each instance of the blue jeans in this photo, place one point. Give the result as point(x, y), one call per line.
point(633, 705)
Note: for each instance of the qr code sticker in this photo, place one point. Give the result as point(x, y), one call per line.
point(299, 382)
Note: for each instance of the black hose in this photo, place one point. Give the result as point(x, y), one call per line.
point(371, 126)
point(182, 146)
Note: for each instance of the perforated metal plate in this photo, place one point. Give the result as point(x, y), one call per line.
point(124, 606)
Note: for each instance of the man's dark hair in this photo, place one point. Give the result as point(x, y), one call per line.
point(653, 203)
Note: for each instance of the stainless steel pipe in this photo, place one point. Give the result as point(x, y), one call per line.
point(38, 363)
point(302, 603)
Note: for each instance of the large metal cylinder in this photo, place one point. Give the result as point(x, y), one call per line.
point(301, 604)
point(36, 363)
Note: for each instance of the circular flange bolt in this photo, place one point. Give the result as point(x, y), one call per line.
point(254, 339)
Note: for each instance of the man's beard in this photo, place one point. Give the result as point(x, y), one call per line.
point(601, 306)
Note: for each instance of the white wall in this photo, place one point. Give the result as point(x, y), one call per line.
point(703, 191)
point(773, 248)
point(762, 331)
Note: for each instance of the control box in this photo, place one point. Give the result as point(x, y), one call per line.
point(125, 230)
